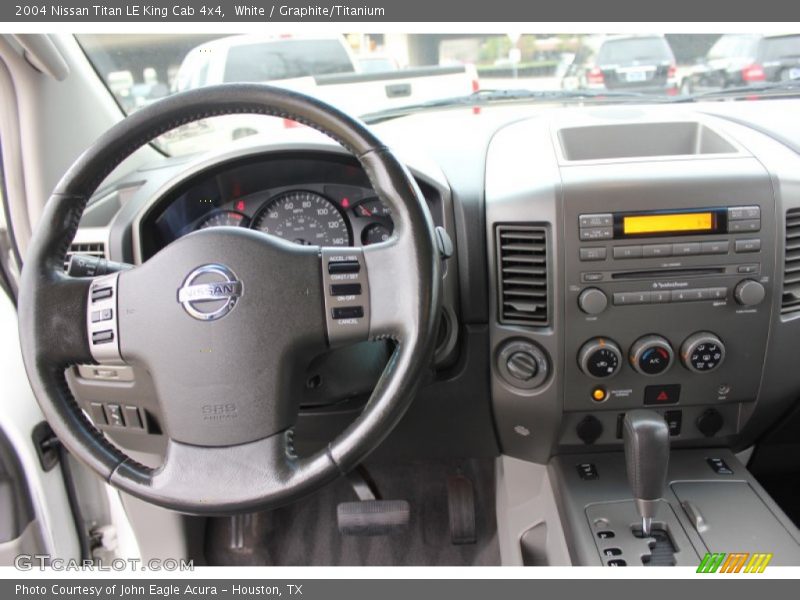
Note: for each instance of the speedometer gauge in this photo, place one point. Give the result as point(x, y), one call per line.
point(305, 218)
point(224, 218)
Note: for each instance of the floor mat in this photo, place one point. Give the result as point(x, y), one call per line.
point(306, 533)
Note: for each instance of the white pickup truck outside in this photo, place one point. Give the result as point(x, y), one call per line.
point(321, 66)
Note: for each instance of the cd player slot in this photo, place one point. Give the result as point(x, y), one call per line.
point(668, 273)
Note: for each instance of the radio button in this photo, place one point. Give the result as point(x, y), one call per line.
point(590, 277)
point(741, 213)
point(627, 252)
point(713, 293)
point(753, 245)
point(587, 254)
point(656, 250)
point(597, 233)
point(628, 298)
point(592, 301)
point(661, 297)
point(747, 269)
point(687, 295)
point(742, 226)
point(686, 249)
point(596, 220)
point(720, 247)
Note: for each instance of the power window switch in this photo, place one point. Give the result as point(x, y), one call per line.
point(97, 413)
point(114, 415)
point(133, 418)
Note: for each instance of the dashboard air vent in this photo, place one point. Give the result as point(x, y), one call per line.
point(790, 300)
point(92, 249)
point(522, 274)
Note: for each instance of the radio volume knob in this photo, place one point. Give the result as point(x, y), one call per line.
point(600, 358)
point(592, 301)
point(749, 292)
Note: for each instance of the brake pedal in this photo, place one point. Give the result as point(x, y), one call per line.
point(370, 515)
point(461, 506)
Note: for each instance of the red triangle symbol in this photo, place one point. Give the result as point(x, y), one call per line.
point(662, 396)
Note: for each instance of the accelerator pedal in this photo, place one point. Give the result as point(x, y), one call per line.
point(461, 506)
point(370, 515)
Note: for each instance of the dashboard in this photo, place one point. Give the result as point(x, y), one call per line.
point(605, 258)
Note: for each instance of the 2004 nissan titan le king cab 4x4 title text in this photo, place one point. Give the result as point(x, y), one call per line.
point(267, 260)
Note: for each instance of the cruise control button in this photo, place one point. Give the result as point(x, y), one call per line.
point(742, 246)
point(346, 289)
point(102, 315)
point(132, 418)
point(587, 254)
point(596, 220)
point(742, 226)
point(596, 233)
point(102, 337)
point(348, 312)
point(101, 293)
point(714, 247)
point(627, 252)
point(344, 266)
point(656, 250)
point(98, 414)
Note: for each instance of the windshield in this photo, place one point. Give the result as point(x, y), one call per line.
point(396, 74)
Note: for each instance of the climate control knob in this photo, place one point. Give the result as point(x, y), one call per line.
point(651, 355)
point(749, 292)
point(702, 352)
point(600, 358)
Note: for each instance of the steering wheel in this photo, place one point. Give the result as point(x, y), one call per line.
point(226, 319)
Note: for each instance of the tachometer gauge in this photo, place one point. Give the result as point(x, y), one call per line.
point(224, 218)
point(305, 218)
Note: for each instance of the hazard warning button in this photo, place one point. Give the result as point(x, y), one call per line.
point(662, 394)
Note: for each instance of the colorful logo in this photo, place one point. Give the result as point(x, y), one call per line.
point(736, 562)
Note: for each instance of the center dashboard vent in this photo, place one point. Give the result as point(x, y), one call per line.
point(790, 299)
point(92, 249)
point(522, 275)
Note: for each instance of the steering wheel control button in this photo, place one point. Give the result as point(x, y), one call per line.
point(101, 320)
point(344, 266)
point(348, 312)
point(523, 364)
point(97, 413)
point(102, 315)
point(651, 355)
point(344, 275)
point(102, 293)
point(102, 337)
point(132, 417)
point(600, 358)
point(662, 394)
point(592, 301)
point(210, 292)
point(702, 352)
point(346, 289)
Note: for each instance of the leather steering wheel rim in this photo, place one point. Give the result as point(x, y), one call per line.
point(259, 472)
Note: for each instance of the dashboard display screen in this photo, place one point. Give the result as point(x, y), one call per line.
point(669, 223)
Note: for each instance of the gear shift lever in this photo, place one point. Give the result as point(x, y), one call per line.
point(646, 438)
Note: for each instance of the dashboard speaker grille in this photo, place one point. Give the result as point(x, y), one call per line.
point(522, 275)
point(92, 249)
point(790, 300)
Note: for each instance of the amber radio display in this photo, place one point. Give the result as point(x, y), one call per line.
point(669, 223)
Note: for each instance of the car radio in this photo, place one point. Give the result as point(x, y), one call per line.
point(667, 307)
